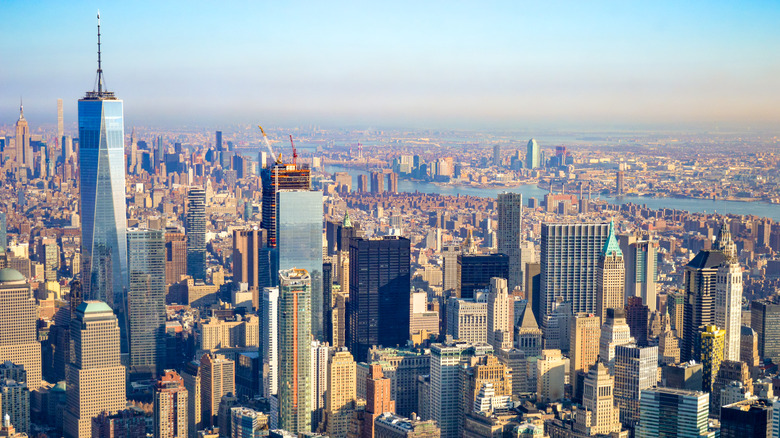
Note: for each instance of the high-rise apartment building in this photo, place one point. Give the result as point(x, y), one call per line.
point(103, 205)
point(294, 354)
point(299, 244)
point(96, 376)
point(569, 260)
point(585, 332)
point(700, 279)
point(674, 413)
point(280, 177)
point(196, 233)
point(636, 368)
point(728, 296)
point(379, 291)
point(500, 315)
point(218, 378)
point(320, 353)
point(510, 222)
point(146, 302)
point(378, 399)
point(341, 396)
point(18, 334)
point(175, 256)
point(610, 276)
point(533, 157)
point(170, 406)
point(269, 341)
point(15, 404)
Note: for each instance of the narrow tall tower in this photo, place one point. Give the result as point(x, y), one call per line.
point(22, 141)
point(728, 295)
point(196, 233)
point(510, 221)
point(500, 315)
point(102, 182)
point(610, 276)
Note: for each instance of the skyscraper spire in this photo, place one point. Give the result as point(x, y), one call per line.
point(100, 67)
point(611, 245)
point(21, 108)
point(725, 243)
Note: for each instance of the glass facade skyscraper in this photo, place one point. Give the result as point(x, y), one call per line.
point(196, 233)
point(146, 302)
point(103, 206)
point(299, 233)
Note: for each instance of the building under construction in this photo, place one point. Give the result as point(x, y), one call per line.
point(280, 176)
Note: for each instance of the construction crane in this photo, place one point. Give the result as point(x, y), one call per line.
point(295, 153)
point(277, 160)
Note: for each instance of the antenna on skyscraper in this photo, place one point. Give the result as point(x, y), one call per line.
point(100, 67)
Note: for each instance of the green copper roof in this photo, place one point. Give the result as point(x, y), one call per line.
point(94, 307)
point(8, 275)
point(611, 245)
point(347, 221)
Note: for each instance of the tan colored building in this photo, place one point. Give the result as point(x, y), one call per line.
point(482, 370)
point(96, 376)
point(246, 253)
point(218, 379)
point(170, 406)
point(340, 402)
point(18, 342)
point(218, 333)
point(610, 276)
point(585, 331)
point(600, 416)
point(193, 383)
point(550, 376)
point(500, 315)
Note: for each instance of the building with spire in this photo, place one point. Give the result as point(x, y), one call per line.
point(528, 335)
point(610, 276)
point(728, 295)
point(24, 153)
point(103, 207)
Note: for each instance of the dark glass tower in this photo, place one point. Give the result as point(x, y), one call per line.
point(196, 233)
point(379, 287)
point(103, 206)
point(146, 302)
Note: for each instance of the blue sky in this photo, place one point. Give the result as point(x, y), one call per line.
point(417, 64)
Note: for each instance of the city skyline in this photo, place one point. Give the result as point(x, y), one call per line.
point(503, 65)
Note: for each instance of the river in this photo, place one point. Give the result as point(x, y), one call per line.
point(761, 209)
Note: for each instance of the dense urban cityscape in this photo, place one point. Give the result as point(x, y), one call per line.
point(313, 282)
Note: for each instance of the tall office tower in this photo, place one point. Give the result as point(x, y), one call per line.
point(450, 278)
point(510, 221)
point(280, 177)
point(218, 378)
point(730, 374)
point(146, 302)
point(675, 305)
point(700, 288)
point(378, 399)
point(620, 182)
point(569, 260)
point(600, 416)
point(467, 320)
point(728, 296)
point(170, 406)
point(712, 347)
point(528, 336)
point(500, 315)
point(269, 340)
point(444, 396)
point(636, 368)
point(392, 179)
point(550, 376)
point(636, 318)
point(341, 393)
point(585, 332)
point(377, 182)
point(614, 332)
point(533, 289)
point(193, 383)
point(475, 272)
point(674, 413)
point(668, 344)
point(299, 244)
point(18, 334)
point(15, 404)
point(196, 233)
point(24, 158)
point(60, 120)
point(294, 355)
point(533, 158)
point(320, 353)
point(175, 256)
point(765, 320)
point(3, 233)
point(362, 183)
point(610, 276)
point(497, 155)
point(218, 143)
point(103, 206)
point(96, 376)
point(246, 264)
point(748, 351)
point(379, 288)
point(641, 263)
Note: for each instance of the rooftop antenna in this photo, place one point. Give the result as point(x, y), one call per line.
point(100, 67)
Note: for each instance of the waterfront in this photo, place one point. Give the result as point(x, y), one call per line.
point(761, 209)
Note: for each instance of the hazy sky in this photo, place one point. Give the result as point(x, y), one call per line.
point(422, 64)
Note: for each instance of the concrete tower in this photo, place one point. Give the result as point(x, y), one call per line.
point(18, 335)
point(728, 295)
point(500, 315)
